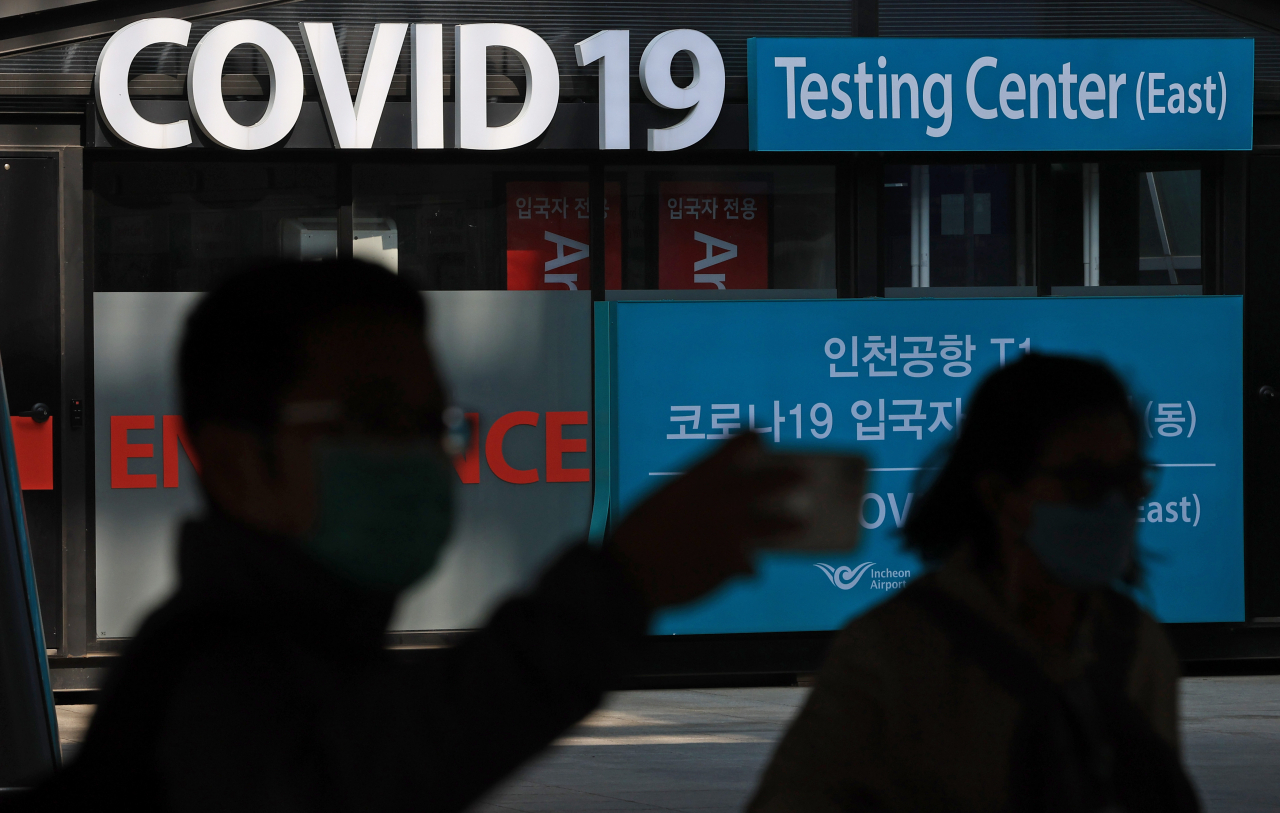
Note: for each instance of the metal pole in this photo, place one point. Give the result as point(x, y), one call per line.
point(1089, 192)
point(1095, 201)
point(1160, 227)
point(596, 213)
point(915, 226)
point(1020, 221)
point(924, 226)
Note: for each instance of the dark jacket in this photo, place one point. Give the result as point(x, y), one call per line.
point(264, 684)
point(940, 700)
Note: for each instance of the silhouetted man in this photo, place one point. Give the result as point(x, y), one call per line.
point(263, 683)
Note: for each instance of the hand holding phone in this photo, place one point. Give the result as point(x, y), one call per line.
point(827, 501)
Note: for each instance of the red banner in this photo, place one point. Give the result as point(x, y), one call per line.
point(33, 446)
point(549, 236)
point(713, 234)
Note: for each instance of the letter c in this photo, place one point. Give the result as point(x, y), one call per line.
point(978, 110)
point(493, 448)
point(111, 88)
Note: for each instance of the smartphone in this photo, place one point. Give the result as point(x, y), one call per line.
point(829, 500)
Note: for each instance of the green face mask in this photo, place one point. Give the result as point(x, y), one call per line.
point(384, 512)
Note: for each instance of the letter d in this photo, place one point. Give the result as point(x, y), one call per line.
point(542, 93)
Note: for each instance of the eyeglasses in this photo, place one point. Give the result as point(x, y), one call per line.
point(1090, 481)
point(381, 418)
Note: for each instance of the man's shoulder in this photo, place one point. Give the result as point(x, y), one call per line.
point(177, 634)
point(192, 657)
point(184, 657)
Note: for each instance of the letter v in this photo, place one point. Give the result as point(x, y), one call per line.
point(898, 519)
point(353, 126)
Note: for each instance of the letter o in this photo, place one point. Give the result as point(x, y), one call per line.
point(204, 85)
point(862, 517)
point(838, 343)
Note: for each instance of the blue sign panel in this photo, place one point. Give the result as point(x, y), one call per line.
point(891, 380)
point(887, 94)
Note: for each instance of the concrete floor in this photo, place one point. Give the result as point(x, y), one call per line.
point(701, 750)
point(1231, 741)
point(73, 723)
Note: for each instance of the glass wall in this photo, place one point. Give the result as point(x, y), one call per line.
point(950, 225)
point(164, 226)
point(179, 226)
point(1050, 225)
point(528, 227)
point(1169, 227)
point(483, 227)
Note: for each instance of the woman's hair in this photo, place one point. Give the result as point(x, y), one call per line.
point(1010, 418)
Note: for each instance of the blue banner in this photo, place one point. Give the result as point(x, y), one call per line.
point(884, 94)
point(891, 380)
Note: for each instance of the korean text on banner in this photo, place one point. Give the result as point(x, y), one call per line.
point(892, 380)
point(713, 234)
point(549, 236)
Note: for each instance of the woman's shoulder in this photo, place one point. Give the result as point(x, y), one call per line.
point(1127, 621)
point(1141, 649)
point(1149, 649)
point(897, 628)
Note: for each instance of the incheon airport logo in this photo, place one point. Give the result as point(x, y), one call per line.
point(847, 578)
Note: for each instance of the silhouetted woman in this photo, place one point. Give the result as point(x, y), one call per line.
point(1014, 675)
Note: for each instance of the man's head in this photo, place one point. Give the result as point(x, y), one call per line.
point(284, 357)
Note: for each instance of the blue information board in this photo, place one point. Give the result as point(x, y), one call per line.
point(891, 379)
point(888, 94)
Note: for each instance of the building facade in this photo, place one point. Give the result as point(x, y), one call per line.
point(553, 177)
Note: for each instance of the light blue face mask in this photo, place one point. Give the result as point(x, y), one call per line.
point(1084, 547)
point(384, 512)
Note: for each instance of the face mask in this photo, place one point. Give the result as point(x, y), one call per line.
point(384, 513)
point(1083, 547)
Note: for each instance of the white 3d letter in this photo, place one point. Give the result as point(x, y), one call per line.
point(353, 126)
point(204, 85)
point(614, 49)
point(470, 87)
point(427, 58)
point(112, 86)
point(705, 94)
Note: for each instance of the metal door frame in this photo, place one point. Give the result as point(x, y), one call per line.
point(63, 142)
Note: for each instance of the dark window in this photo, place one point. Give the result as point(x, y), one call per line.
point(166, 226)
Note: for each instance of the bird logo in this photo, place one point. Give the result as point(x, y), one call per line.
point(844, 577)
